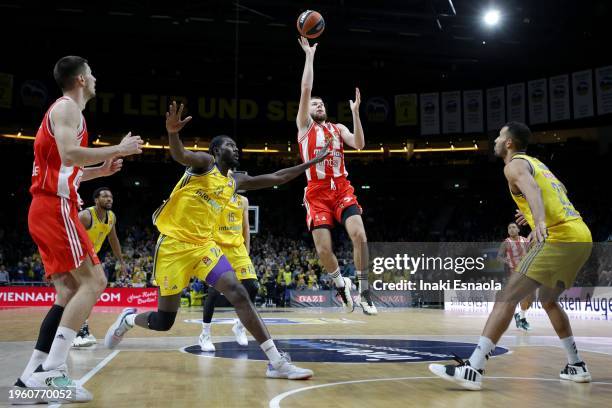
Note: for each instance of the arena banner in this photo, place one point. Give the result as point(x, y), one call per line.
point(559, 98)
point(538, 101)
point(406, 110)
point(515, 102)
point(472, 111)
point(327, 298)
point(430, 113)
point(24, 296)
point(451, 112)
point(496, 108)
point(578, 302)
point(582, 87)
point(603, 82)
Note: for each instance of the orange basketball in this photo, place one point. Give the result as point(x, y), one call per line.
point(310, 24)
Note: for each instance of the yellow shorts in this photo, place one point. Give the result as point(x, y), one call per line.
point(240, 260)
point(556, 262)
point(176, 262)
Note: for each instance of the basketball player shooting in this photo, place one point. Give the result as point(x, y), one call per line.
point(329, 196)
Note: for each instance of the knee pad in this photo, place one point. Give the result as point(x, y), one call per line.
point(160, 320)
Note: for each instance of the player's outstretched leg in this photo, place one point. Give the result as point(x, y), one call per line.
point(223, 278)
point(161, 320)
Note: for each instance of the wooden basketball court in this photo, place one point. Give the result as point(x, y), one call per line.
point(156, 370)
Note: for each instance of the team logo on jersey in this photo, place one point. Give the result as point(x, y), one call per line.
point(350, 350)
point(206, 261)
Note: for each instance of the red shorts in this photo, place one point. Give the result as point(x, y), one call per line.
point(326, 201)
point(61, 238)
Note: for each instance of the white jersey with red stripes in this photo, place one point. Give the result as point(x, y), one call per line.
point(312, 141)
point(516, 250)
point(49, 174)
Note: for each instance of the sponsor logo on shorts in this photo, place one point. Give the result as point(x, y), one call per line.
point(206, 261)
point(351, 350)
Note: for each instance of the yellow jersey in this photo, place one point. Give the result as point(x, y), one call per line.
point(229, 229)
point(557, 207)
point(99, 229)
point(192, 211)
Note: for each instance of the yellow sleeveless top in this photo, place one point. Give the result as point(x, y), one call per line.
point(557, 207)
point(99, 229)
point(229, 229)
point(192, 211)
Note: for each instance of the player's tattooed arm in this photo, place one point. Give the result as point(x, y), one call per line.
point(282, 176)
point(303, 117)
point(174, 124)
point(521, 181)
point(85, 218)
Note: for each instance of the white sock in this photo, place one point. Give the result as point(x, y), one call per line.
point(570, 348)
point(131, 319)
point(338, 280)
point(522, 313)
point(481, 353)
point(38, 357)
point(60, 348)
point(238, 323)
point(272, 353)
point(206, 327)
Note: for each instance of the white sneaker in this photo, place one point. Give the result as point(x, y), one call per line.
point(82, 342)
point(345, 295)
point(365, 301)
point(58, 379)
point(287, 370)
point(240, 333)
point(92, 339)
point(463, 374)
point(205, 341)
point(115, 333)
point(576, 372)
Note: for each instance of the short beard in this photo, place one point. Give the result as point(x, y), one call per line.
point(319, 117)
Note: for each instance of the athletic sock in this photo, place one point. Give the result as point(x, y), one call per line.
point(60, 348)
point(338, 280)
point(481, 353)
point(362, 277)
point(38, 357)
point(238, 323)
point(522, 313)
point(206, 327)
point(570, 348)
point(272, 353)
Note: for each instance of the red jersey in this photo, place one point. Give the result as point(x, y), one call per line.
point(515, 250)
point(312, 142)
point(49, 175)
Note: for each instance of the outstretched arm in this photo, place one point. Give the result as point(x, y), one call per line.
point(356, 139)
point(303, 118)
point(283, 176)
point(66, 118)
point(174, 124)
point(520, 178)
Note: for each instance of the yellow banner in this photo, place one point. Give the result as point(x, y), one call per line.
point(406, 110)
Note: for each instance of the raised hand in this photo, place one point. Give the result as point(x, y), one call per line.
point(308, 50)
point(355, 104)
point(174, 124)
point(130, 145)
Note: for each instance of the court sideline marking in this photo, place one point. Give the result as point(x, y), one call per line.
point(275, 402)
point(92, 372)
